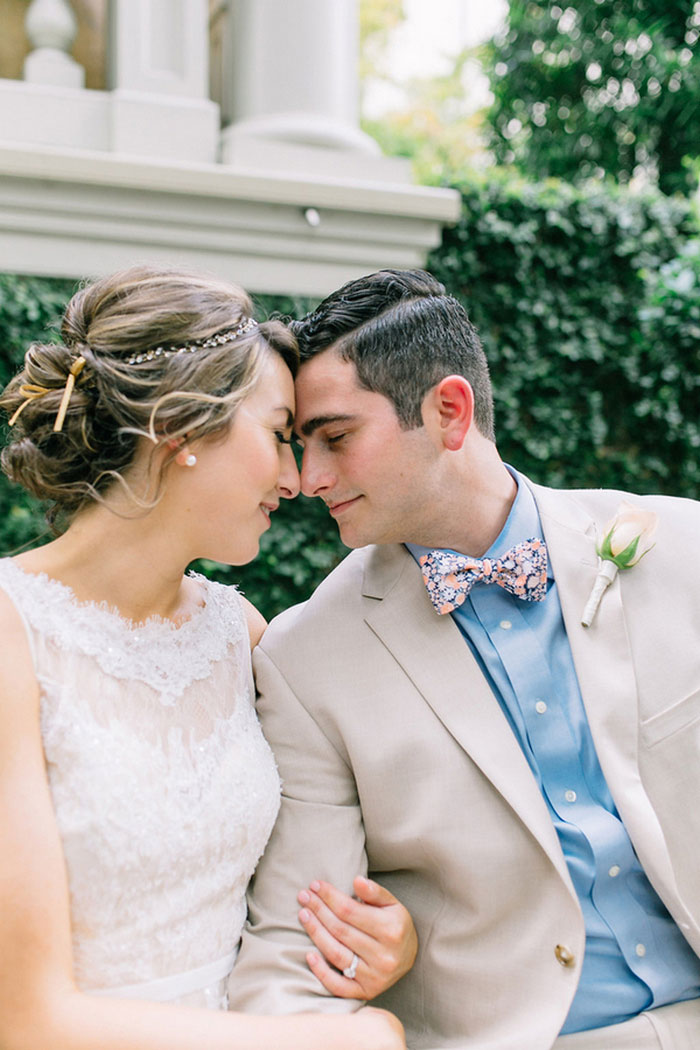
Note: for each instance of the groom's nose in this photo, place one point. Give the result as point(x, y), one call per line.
point(316, 476)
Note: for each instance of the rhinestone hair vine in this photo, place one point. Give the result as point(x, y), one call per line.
point(226, 336)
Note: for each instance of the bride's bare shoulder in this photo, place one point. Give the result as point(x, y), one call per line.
point(256, 622)
point(12, 626)
point(16, 666)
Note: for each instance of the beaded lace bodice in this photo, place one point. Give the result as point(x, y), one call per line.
point(164, 789)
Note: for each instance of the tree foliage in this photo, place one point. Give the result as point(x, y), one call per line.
point(432, 121)
point(436, 128)
point(598, 87)
point(378, 19)
point(587, 301)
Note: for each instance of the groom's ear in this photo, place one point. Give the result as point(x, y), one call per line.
point(448, 411)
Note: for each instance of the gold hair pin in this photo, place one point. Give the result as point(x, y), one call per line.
point(75, 370)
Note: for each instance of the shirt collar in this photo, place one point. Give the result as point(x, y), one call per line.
point(522, 523)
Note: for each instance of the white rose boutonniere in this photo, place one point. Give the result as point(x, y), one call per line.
point(628, 537)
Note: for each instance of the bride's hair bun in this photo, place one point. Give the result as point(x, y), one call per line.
point(123, 391)
point(45, 463)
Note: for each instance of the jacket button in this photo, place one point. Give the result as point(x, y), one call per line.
point(564, 955)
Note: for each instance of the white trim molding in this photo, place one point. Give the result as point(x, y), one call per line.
point(79, 213)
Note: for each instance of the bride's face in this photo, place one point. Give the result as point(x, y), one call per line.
point(226, 499)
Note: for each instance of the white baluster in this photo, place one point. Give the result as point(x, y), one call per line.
point(51, 27)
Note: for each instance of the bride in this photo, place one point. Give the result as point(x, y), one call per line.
point(136, 790)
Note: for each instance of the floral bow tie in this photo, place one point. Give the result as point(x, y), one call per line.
point(521, 571)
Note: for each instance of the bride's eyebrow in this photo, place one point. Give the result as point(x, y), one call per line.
point(288, 413)
point(323, 421)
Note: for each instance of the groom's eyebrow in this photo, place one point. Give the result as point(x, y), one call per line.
point(322, 421)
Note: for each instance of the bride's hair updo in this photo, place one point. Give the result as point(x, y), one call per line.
point(119, 379)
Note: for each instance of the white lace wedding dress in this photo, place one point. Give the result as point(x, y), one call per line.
point(164, 789)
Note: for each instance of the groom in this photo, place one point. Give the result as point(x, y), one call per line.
point(527, 786)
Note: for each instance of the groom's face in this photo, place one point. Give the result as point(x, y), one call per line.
point(367, 469)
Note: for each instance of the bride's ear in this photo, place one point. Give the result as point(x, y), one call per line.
point(184, 457)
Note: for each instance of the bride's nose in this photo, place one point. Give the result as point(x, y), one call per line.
point(289, 482)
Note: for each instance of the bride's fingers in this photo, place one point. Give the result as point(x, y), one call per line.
point(366, 984)
point(383, 919)
point(335, 982)
point(378, 929)
point(373, 915)
point(387, 951)
point(344, 919)
point(339, 951)
point(389, 923)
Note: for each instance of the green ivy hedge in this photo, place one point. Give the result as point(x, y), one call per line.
point(588, 304)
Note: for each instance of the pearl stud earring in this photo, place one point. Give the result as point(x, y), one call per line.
point(191, 460)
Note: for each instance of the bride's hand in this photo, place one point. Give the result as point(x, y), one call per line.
point(376, 930)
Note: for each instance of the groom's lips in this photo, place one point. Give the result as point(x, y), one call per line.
point(337, 508)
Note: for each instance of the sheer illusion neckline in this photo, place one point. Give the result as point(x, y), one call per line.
point(62, 593)
point(165, 655)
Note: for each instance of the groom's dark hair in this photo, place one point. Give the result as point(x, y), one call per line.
point(404, 334)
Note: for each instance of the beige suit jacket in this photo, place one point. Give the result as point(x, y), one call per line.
point(396, 759)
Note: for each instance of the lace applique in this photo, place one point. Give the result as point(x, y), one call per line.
point(159, 844)
point(165, 656)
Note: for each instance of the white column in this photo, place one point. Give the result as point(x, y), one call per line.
point(292, 85)
point(159, 47)
point(51, 28)
point(159, 76)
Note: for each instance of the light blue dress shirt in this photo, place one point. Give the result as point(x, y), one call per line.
point(636, 957)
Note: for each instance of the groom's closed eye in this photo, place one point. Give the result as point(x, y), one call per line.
point(314, 424)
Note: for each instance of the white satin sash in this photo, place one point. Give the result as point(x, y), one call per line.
point(174, 986)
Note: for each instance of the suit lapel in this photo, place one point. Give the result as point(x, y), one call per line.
point(433, 654)
point(601, 653)
point(604, 665)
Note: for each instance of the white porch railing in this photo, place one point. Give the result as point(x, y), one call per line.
point(290, 195)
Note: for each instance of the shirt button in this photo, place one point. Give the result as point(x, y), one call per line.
point(570, 796)
point(614, 871)
point(640, 950)
point(540, 707)
point(505, 625)
point(564, 956)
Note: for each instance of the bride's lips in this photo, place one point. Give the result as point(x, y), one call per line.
point(334, 509)
point(268, 509)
